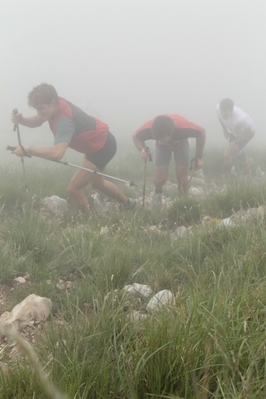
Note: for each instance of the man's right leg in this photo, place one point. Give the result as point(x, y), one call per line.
point(161, 161)
point(78, 183)
point(227, 160)
point(160, 177)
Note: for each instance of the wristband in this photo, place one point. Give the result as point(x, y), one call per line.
point(197, 156)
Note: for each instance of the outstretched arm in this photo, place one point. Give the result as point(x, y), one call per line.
point(199, 134)
point(31, 121)
point(54, 153)
point(200, 143)
point(139, 141)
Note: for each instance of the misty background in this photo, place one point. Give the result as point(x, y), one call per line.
point(126, 61)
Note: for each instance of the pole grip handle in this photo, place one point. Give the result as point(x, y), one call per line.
point(148, 151)
point(10, 148)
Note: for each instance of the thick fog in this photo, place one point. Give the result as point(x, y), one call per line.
point(126, 61)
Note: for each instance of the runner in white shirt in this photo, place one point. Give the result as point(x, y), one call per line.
point(239, 128)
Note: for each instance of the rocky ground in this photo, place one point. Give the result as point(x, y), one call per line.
point(31, 328)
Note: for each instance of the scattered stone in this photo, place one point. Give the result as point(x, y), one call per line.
point(178, 233)
point(31, 308)
point(162, 298)
point(195, 181)
point(199, 174)
point(97, 204)
point(136, 289)
point(64, 285)
point(181, 231)
point(20, 280)
point(60, 285)
point(135, 315)
point(55, 205)
point(196, 192)
point(155, 229)
point(104, 230)
point(226, 223)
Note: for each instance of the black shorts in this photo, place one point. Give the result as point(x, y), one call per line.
point(243, 143)
point(102, 157)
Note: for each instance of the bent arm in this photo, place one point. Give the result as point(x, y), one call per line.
point(53, 153)
point(200, 143)
point(31, 121)
point(139, 139)
point(139, 144)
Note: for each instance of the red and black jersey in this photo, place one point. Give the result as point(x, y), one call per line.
point(184, 129)
point(83, 132)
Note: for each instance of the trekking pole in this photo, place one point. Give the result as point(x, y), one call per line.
point(16, 128)
point(145, 173)
point(130, 183)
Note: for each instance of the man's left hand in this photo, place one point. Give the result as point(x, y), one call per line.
point(19, 152)
point(196, 163)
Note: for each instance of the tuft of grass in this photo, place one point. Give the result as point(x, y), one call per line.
point(185, 211)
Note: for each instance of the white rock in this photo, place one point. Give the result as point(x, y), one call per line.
point(55, 205)
point(135, 315)
point(155, 229)
point(162, 298)
point(173, 237)
point(97, 203)
point(138, 290)
point(196, 192)
point(180, 231)
point(142, 289)
point(61, 284)
point(31, 308)
point(195, 181)
point(199, 174)
point(20, 280)
point(226, 223)
point(104, 230)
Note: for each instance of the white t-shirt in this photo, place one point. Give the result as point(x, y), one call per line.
point(238, 122)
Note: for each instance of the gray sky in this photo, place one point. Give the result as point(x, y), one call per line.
point(135, 59)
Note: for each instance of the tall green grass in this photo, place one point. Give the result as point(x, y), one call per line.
point(209, 344)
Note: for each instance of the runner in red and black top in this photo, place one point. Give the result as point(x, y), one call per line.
point(73, 128)
point(171, 133)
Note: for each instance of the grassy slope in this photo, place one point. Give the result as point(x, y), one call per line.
point(211, 344)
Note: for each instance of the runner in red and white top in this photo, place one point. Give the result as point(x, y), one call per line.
point(73, 128)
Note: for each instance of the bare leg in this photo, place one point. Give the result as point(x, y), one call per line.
point(182, 179)
point(228, 155)
point(160, 177)
point(108, 188)
point(82, 178)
